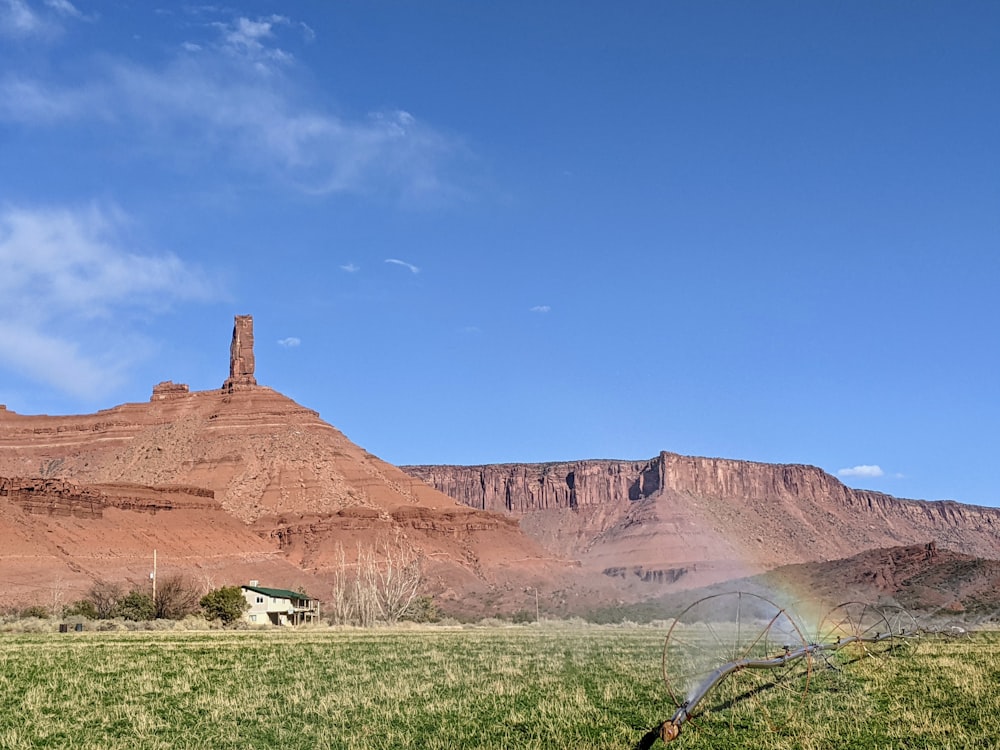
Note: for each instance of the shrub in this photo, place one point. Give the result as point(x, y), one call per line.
point(227, 604)
point(522, 617)
point(28, 625)
point(36, 610)
point(81, 608)
point(136, 606)
point(423, 609)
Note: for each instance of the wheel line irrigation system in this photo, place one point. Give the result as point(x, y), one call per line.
point(724, 635)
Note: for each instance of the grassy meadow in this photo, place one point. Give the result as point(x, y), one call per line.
point(544, 686)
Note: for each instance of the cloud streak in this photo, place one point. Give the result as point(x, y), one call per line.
point(289, 342)
point(236, 96)
point(540, 309)
point(19, 19)
point(408, 266)
point(863, 470)
point(66, 278)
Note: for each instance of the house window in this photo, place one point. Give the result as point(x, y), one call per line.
point(260, 599)
point(253, 618)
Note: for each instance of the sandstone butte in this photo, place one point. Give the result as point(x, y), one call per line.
point(243, 483)
point(228, 485)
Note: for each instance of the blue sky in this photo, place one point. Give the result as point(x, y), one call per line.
point(485, 232)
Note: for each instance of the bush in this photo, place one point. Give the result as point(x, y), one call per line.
point(28, 625)
point(227, 604)
point(136, 606)
point(36, 610)
point(422, 609)
point(81, 608)
point(522, 617)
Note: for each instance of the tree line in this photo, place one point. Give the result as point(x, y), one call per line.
point(176, 598)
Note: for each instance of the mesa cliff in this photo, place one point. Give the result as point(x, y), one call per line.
point(669, 517)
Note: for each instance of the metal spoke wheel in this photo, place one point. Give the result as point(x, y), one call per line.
point(857, 630)
point(722, 633)
point(904, 628)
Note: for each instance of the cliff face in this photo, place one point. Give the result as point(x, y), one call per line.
point(524, 488)
point(663, 518)
point(54, 497)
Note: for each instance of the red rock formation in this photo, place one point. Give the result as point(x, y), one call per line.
point(673, 512)
point(52, 497)
point(235, 464)
point(241, 358)
point(168, 389)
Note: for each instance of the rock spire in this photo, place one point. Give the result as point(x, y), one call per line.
point(241, 361)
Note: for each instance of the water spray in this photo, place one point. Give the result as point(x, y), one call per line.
point(724, 635)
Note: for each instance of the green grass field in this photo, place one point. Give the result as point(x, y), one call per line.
point(522, 687)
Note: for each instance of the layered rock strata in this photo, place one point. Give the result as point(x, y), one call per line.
point(244, 467)
point(662, 519)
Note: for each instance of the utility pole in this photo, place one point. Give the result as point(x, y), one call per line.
point(153, 577)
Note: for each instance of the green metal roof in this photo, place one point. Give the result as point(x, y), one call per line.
point(277, 593)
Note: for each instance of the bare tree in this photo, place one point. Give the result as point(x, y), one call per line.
point(366, 582)
point(382, 586)
point(176, 597)
point(341, 602)
point(207, 583)
point(105, 597)
point(399, 577)
point(58, 594)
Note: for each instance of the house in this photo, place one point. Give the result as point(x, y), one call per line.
point(279, 606)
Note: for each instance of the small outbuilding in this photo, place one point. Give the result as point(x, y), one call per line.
point(279, 606)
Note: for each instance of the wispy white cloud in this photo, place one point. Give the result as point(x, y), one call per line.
point(19, 18)
point(26, 101)
point(350, 268)
point(66, 277)
point(290, 341)
point(253, 39)
point(239, 97)
point(540, 309)
point(409, 266)
point(65, 8)
point(863, 470)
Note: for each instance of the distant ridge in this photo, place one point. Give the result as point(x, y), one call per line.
point(684, 519)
